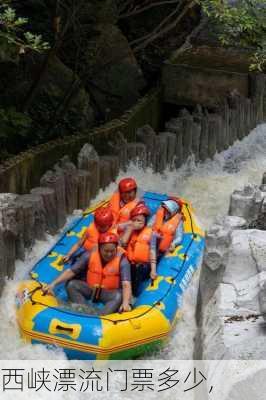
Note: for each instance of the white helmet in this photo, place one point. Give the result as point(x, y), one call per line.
point(171, 206)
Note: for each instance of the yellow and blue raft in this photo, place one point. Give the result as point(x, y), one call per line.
point(44, 318)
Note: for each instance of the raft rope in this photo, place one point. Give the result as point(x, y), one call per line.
point(157, 303)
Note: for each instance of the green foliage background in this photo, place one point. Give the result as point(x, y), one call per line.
point(240, 23)
point(243, 23)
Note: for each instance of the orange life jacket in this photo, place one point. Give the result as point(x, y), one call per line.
point(107, 276)
point(166, 229)
point(138, 249)
point(92, 236)
point(121, 214)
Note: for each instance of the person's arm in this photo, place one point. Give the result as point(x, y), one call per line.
point(124, 238)
point(122, 226)
point(121, 229)
point(75, 247)
point(65, 276)
point(126, 296)
point(125, 272)
point(79, 267)
point(153, 255)
point(178, 236)
point(151, 221)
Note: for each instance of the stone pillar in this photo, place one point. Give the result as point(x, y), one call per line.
point(213, 132)
point(201, 119)
point(187, 121)
point(226, 118)
point(120, 149)
point(9, 231)
point(261, 221)
point(161, 153)
point(105, 173)
point(171, 148)
point(7, 255)
point(264, 103)
point(114, 165)
point(248, 116)
point(196, 140)
point(136, 152)
point(243, 129)
point(34, 217)
point(49, 203)
point(175, 125)
point(220, 139)
point(84, 183)
point(20, 245)
point(56, 181)
point(204, 139)
point(237, 105)
point(147, 136)
point(12, 221)
point(3, 261)
point(28, 218)
point(255, 113)
point(69, 170)
point(246, 203)
point(233, 115)
point(233, 127)
point(88, 160)
point(257, 91)
point(252, 114)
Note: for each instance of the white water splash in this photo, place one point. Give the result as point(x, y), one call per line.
point(207, 185)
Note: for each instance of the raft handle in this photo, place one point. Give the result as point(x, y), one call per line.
point(62, 328)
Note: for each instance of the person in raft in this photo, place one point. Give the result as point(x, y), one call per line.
point(103, 222)
point(102, 274)
point(124, 200)
point(140, 243)
point(168, 224)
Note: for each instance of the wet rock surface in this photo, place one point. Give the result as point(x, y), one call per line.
point(232, 292)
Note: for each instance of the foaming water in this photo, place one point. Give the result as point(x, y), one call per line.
point(207, 186)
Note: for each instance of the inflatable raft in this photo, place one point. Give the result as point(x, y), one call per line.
point(45, 319)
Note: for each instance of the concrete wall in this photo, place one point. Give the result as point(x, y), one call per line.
point(203, 133)
point(205, 75)
point(231, 100)
point(207, 87)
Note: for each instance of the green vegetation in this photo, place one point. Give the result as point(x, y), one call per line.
point(13, 34)
point(242, 23)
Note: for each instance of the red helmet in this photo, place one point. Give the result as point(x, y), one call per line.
point(103, 217)
point(127, 184)
point(140, 209)
point(108, 238)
